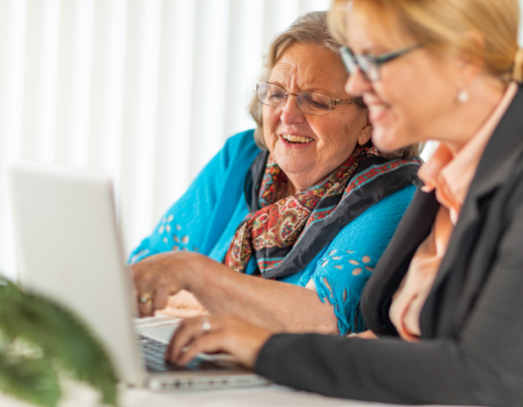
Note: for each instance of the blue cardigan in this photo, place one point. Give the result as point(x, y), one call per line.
point(205, 219)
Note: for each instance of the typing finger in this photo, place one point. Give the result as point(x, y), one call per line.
point(186, 333)
point(209, 343)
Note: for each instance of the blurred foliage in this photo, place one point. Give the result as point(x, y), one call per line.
point(39, 342)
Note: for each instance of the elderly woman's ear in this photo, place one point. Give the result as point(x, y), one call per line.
point(366, 132)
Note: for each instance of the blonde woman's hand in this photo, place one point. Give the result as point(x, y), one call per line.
point(215, 334)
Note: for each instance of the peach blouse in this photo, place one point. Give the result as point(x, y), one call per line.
point(450, 175)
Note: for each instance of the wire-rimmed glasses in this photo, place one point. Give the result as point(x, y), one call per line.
point(370, 65)
point(315, 103)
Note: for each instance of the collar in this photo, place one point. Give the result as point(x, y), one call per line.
point(451, 176)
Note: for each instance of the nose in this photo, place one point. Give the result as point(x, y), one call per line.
point(357, 84)
point(290, 111)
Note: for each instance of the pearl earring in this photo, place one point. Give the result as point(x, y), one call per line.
point(463, 96)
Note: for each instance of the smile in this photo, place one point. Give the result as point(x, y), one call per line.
point(377, 108)
point(297, 139)
point(378, 112)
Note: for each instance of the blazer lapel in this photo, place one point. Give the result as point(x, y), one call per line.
point(493, 170)
point(413, 229)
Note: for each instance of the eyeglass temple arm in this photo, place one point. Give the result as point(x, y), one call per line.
point(394, 54)
point(342, 101)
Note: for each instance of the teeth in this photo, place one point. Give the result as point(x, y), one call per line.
point(377, 108)
point(297, 139)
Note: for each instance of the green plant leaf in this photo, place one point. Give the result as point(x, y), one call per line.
point(32, 380)
point(62, 338)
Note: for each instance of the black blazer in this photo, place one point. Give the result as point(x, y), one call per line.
point(471, 352)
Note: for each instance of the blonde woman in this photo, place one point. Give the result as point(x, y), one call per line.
point(445, 300)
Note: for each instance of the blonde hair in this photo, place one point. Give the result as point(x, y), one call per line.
point(443, 25)
point(312, 28)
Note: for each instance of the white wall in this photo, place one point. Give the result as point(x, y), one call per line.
point(147, 90)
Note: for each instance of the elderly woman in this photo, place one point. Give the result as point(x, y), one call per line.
point(445, 298)
point(314, 206)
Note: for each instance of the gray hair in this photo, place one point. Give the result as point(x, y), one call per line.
point(311, 28)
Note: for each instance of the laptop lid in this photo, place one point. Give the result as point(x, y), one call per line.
point(68, 250)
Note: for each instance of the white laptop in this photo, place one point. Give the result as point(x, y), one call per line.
point(69, 250)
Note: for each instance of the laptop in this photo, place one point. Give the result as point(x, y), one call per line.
point(69, 250)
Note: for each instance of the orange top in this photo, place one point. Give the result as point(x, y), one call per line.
point(450, 176)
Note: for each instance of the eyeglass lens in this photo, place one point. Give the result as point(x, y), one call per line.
point(315, 103)
point(368, 67)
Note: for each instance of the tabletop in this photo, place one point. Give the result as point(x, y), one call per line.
point(79, 395)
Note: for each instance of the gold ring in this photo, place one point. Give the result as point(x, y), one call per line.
point(145, 298)
point(206, 326)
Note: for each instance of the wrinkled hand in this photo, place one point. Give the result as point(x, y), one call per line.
point(223, 333)
point(158, 277)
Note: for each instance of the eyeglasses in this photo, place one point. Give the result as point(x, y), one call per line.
point(370, 65)
point(315, 103)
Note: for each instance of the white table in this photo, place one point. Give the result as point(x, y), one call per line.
point(266, 396)
point(269, 396)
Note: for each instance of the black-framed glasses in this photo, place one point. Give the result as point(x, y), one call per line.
point(370, 65)
point(315, 103)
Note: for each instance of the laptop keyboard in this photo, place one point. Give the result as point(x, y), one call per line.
point(153, 352)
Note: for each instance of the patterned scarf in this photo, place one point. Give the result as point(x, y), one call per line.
point(271, 232)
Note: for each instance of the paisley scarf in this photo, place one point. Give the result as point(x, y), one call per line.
point(271, 232)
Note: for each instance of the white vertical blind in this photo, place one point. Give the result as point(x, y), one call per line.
point(139, 132)
point(72, 82)
point(146, 90)
point(13, 22)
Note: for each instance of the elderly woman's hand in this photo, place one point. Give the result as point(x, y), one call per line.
point(160, 276)
point(213, 334)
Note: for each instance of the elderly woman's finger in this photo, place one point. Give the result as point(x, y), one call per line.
point(161, 298)
point(145, 304)
point(146, 310)
point(142, 279)
point(157, 274)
